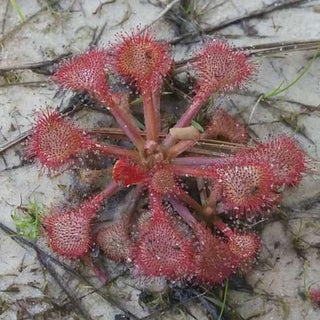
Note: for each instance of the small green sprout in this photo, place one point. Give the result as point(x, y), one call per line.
point(28, 222)
point(282, 87)
point(224, 299)
point(16, 8)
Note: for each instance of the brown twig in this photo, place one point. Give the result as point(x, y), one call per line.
point(4, 19)
point(96, 37)
point(250, 15)
point(99, 8)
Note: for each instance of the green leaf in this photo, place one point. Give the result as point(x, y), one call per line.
point(197, 125)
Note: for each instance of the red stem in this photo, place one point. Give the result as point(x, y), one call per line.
point(156, 96)
point(183, 212)
point(156, 206)
point(124, 120)
point(110, 190)
point(180, 170)
point(100, 274)
point(183, 146)
point(197, 161)
point(180, 147)
point(186, 118)
point(224, 228)
point(91, 205)
point(114, 151)
point(182, 195)
point(149, 111)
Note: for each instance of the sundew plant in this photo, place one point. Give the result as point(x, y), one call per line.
point(181, 235)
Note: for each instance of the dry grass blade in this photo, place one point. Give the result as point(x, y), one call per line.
point(204, 144)
point(265, 49)
point(46, 260)
point(163, 13)
point(24, 242)
point(290, 46)
point(14, 141)
point(76, 306)
point(75, 104)
point(159, 313)
point(12, 32)
point(25, 84)
point(261, 49)
point(36, 67)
